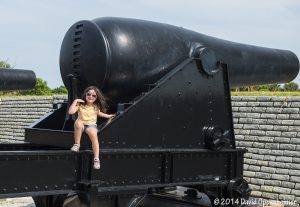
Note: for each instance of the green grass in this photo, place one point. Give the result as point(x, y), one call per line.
point(266, 93)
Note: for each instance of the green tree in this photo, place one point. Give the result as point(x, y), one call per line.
point(60, 90)
point(41, 89)
point(268, 87)
point(4, 64)
point(275, 87)
point(244, 88)
point(291, 86)
point(264, 87)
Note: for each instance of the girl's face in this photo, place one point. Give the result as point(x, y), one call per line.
point(90, 96)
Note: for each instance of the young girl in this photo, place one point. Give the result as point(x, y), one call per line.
point(89, 107)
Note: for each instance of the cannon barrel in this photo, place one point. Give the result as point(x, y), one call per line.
point(16, 79)
point(121, 56)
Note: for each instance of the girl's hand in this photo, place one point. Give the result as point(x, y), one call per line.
point(112, 116)
point(79, 100)
point(107, 116)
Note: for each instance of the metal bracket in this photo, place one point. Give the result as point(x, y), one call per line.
point(215, 137)
point(238, 188)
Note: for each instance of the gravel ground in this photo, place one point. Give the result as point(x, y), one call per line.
point(17, 202)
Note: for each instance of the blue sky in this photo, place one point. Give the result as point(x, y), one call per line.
point(32, 30)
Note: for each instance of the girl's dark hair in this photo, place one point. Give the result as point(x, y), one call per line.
point(100, 101)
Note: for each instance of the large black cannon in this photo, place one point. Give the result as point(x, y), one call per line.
point(171, 90)
point(121, 56)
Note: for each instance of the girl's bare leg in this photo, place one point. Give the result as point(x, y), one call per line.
point(92, 133)
point(78, 127)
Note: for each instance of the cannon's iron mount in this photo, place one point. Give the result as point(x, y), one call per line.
point(169, 154)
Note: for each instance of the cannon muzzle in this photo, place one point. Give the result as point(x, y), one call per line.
point(16, 79)
point(121, 56)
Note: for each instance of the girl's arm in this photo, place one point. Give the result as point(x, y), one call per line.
point(104, 115)
point(75, 106)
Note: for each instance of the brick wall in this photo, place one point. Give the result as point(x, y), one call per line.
point(17, 113)
point(269, 127)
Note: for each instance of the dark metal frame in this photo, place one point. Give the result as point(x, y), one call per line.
point(136, 162)
point(54, 172)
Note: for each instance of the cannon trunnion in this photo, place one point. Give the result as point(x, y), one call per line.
point(170, 88)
